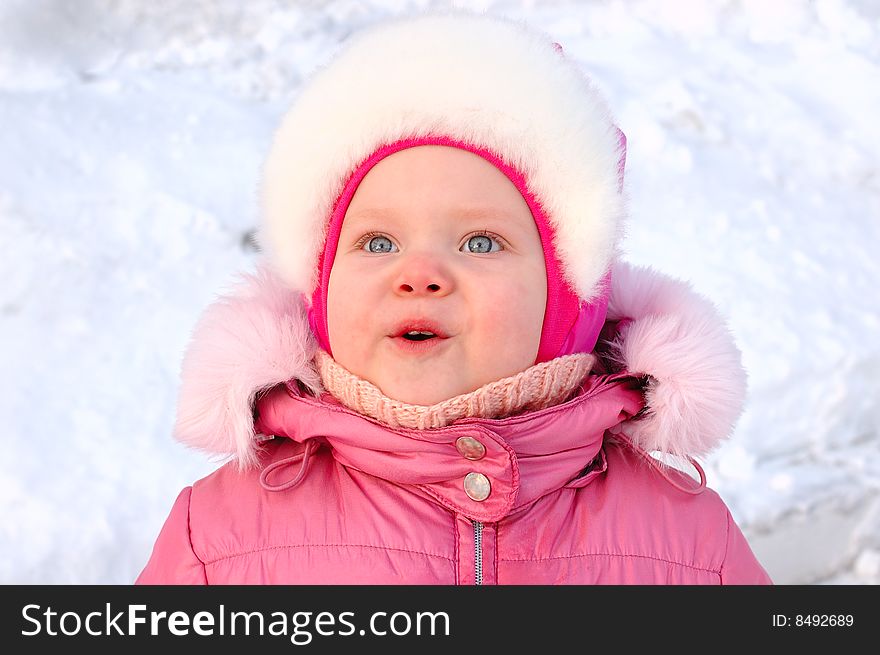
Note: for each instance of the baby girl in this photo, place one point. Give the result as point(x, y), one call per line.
point(442, 372)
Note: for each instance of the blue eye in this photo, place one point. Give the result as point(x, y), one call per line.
point(481, 243)
point(379, 244)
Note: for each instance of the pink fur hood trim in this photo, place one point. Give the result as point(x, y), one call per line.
point(258, 336)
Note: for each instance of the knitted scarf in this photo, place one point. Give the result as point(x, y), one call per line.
point(539, 386)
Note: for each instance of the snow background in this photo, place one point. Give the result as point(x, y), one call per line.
point(133, 135)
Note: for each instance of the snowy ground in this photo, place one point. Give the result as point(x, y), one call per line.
point(133, 136)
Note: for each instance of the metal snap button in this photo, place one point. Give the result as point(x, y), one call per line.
point(476, 486)
point(470, 448)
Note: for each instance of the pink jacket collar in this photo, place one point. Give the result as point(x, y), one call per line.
point(526, 456)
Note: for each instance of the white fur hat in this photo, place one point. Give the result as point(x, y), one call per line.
point(483, 80)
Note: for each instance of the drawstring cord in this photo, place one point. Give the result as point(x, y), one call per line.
point(311, 445)
point(660, 468)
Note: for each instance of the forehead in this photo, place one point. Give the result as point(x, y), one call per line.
point(450, 180)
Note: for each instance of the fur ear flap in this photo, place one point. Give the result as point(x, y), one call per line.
point(696, 382)
point(248, 341)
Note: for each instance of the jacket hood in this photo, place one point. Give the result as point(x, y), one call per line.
point(257, 336)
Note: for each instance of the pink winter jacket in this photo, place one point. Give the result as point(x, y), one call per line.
point(339, 498)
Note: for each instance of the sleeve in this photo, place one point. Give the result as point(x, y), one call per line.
point(740, 566)
point(173, 561)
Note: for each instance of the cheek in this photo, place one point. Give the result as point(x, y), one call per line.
point(354, 294)
point(343, 306)
point(512, 312)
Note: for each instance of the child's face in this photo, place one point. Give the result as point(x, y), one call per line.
point(436, 239)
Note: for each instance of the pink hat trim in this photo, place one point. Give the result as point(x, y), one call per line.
point(569, 326)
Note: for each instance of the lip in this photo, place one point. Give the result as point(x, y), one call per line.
point(427, 346)
point(418, 325)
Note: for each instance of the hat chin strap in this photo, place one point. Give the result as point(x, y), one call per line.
point(584, 333)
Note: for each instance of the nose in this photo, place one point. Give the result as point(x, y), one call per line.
point(422, 275)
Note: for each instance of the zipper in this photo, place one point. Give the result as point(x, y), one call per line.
point(478, 552)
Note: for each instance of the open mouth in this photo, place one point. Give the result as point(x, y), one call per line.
point(418, 335)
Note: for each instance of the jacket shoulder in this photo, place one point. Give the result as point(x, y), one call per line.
point(174, 560)
point(230, 511)
point(691, 529)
